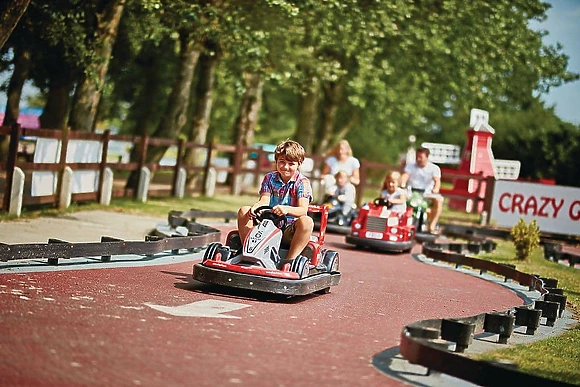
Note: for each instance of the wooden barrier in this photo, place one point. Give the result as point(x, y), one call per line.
point(238, 153)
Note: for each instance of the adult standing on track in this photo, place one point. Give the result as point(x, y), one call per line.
point(425, 176)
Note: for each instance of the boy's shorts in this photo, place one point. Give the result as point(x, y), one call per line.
point(288, 233)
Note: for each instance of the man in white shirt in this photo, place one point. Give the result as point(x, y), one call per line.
point(425, 175)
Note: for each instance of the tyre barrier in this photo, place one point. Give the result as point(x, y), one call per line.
point(438, 344)
point(198, 236)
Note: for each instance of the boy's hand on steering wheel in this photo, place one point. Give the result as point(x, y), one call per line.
point(279, 210)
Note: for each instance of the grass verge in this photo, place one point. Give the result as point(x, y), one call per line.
point(557, 357)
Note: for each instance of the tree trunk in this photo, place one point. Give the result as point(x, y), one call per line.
point(201, 117)
point(54, 114)
point(332, 99)
point(10, 14)
point(249, 109)
point(88, 93)
point(175, 116)
point(141, 111)
point(14, 94)
point(307, 115)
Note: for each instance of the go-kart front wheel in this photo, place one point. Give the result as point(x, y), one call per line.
point(300, 265)
point(215, 248)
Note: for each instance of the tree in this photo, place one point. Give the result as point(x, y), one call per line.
point(10, 14)
point(89, 88)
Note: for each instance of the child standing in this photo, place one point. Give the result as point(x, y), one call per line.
point(392, 193)
point(288, 192)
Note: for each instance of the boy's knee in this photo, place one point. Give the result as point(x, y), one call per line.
point(243, 211)
point(305, 223)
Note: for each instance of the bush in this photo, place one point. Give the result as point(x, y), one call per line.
point(525, 237)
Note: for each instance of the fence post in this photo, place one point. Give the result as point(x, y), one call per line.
point(488, 201)
point(238, 156)
point(61, 165)
point(17, 192)
point(178, 163)
point(11, 164)
point(105, 140)
point(361, 185)
point(206, 167)
point(142, 158)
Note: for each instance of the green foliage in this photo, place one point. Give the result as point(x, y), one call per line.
point(526, 237)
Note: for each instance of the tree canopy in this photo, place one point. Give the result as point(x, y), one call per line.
point(373, 72)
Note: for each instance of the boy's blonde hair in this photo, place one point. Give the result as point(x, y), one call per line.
point(291, 151)
point(340, 173)
point(392, 175)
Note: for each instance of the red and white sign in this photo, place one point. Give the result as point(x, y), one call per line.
point(555, 208)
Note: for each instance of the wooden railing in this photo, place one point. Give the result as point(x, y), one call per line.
point(371, 173)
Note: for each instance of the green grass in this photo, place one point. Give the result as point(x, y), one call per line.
point(557, 358)
point(154, 206)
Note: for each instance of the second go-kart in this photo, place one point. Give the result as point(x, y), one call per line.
point(378, 227)
point(339, 220)
point(259, 262)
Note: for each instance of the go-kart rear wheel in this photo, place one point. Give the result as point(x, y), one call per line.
point(331, 260)
point(300, 265)
point(211, 250)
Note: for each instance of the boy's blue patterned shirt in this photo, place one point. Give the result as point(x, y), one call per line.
point(286, 194)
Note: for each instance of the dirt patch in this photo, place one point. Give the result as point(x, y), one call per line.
point(83, 226)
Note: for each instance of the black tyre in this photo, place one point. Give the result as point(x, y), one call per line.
point(235, 242)
point(300, 265)
point(331, 260)
point(211, 250)
point(225, 252)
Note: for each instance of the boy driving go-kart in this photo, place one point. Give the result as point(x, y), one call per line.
point(274, 249)
point(288, 192)
point(424, 177)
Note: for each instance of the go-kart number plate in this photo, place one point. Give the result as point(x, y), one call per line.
point(374, 235)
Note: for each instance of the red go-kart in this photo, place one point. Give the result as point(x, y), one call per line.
point(259, 262)
point(378, 227)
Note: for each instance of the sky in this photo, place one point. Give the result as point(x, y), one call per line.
point(563, 26)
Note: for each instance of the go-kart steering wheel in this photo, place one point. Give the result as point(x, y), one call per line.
point(265, 212)
point(382, 202)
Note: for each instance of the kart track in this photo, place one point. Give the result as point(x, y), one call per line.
point(146, 322)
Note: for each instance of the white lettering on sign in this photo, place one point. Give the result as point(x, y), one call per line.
point(205, 308)
point(555, 208)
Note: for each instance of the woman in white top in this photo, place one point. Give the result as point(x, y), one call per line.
point(341, 159)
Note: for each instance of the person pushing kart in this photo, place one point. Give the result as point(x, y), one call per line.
point(289, 193)
point(423, 175)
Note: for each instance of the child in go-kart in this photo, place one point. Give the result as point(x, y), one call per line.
point(289, 193)
point(343, 190)
point(392, 194)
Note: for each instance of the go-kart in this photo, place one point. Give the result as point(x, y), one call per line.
point(378, 227)
point(420, 207)
point(338, 221)
point(258, 263)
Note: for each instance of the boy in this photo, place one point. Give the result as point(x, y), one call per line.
point(288, 192)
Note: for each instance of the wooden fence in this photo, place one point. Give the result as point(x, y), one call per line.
point(371, 173)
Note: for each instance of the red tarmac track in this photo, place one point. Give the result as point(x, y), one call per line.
point(95, 326)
